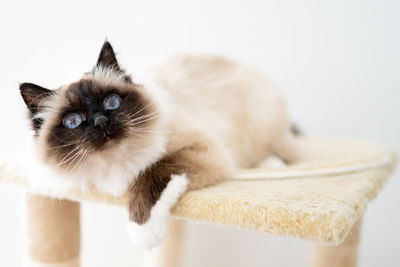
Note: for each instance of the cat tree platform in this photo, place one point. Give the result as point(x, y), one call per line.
point(320, 198)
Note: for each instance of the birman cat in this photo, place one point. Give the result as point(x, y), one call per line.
point(190, 123)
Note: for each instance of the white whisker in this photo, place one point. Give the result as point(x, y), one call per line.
point(69, 144)
point(142, 121)
point(77, 156)
point(64, 159)
point(137, 112)
point(144, 116)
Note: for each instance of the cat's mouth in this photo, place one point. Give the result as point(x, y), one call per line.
point(107, 135)
point(108, 138)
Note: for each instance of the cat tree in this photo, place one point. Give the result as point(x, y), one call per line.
point(320, 198)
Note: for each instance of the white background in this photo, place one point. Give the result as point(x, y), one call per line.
point(338, 62)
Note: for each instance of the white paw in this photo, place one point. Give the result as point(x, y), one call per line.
point(272, 162)
point(153, 232)
point(148, 235)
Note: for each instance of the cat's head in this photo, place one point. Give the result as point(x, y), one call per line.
point(103, 117)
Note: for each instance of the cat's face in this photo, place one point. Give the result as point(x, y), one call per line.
point(90, 117)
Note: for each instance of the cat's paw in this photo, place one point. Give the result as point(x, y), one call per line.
point(153, 232)
point(272, 162)
point(148, 235)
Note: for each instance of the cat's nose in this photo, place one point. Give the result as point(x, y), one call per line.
point(100, 120)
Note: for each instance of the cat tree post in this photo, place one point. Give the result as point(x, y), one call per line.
point(52, 232)
point(343, 255)
point(170, 252)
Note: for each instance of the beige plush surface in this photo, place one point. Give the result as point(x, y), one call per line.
point(319, 198)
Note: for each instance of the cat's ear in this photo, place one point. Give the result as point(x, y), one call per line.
point(33, 96)
point(107, 57)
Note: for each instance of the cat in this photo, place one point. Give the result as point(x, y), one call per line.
point(191, 123)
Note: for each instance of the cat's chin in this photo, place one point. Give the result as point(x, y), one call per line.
point(109, 143)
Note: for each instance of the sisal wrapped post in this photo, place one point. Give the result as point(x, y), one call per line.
point(343, 255)
point(52, 232)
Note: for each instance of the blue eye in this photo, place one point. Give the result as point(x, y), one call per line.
point(72, 120)
point(111, 102)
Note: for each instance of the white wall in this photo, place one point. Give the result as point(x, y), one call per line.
point(338, 61)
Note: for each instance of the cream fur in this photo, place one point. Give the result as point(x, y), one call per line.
point(106, 76)
point(234, 104)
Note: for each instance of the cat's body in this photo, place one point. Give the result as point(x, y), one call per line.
point(190, 124)
point(230, 102)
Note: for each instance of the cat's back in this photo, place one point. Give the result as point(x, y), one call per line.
point(228, 100)
point(204, 87)
point(184, 72)
point(211, 80)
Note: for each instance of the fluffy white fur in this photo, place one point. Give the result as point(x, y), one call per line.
point(154, 230)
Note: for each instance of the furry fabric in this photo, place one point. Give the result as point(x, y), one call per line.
point(319, 198)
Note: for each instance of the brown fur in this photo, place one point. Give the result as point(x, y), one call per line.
point(195, 160)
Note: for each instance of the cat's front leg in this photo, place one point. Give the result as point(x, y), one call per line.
point(152, 196)
point(159, 188)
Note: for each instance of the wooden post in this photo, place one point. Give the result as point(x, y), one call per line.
point(52, 232)
point(343, 255)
